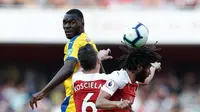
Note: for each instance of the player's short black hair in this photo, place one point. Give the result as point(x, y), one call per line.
point(76, 12)
point(87, 57)
point(143, 56)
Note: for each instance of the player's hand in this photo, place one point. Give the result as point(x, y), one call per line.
point(35, 97)
point(104, 54)
point(156, 65)
point(124, 104)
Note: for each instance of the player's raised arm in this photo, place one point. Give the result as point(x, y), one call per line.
point(155, 66)
point(104, 55)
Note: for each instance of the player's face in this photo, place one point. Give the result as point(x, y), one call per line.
point(72, 25)
point(143, 74)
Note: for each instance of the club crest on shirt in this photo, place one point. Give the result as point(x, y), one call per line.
point(69, 52)
point(110, 84)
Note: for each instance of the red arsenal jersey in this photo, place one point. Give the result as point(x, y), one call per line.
point(86, 90)
point(120, 88)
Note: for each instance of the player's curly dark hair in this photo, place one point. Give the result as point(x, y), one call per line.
point(139, 56)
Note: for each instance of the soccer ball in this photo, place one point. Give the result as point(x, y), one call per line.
point(136, 35)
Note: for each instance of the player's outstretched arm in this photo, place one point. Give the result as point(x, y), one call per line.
point(107, 90)
point(103, 102)
point(104, 55)
point(65, 72)
point(102, 70)
point(155, 66)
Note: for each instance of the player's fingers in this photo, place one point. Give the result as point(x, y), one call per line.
point(124, 105)
point(128, 104)
point(159, 69)
point(109, 57)
point(36, 104)
point(31, 105)
point(108, 50)
point(131, 99)
point(127, 101)
point(120, 106)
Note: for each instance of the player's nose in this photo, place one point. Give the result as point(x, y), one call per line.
point(66, 26)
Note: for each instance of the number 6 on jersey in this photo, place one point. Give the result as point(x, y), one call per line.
point(87, 104)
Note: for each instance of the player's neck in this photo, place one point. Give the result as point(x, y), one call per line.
point(82, 30)
point(91, 71)
point(131, 76)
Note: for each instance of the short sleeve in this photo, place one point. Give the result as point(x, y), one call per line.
point(110, 87)
point(120, 77)
point(117, 80)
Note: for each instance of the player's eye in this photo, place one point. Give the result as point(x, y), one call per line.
point(73, 22)
point(64, 22)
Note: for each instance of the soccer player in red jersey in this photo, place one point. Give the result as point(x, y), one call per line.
point(118, 93)
point(88, 82)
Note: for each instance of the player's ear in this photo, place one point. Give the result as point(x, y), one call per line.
point(83, 23)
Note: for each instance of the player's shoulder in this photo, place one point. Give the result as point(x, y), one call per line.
point(76, 76)
point(119, 73)
point(120, 77)
point(66, 46)
point(89, 77)
point(81, 38)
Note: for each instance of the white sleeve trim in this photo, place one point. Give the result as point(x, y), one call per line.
point(110, 87)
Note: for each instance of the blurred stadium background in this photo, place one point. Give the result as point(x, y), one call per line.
point(32, 42)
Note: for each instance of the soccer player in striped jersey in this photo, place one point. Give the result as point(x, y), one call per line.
point(73, 25)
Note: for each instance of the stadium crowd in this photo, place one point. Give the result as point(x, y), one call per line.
point(166, 93)
point(169, 4)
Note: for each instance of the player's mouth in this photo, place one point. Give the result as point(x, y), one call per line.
point(68, 32)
